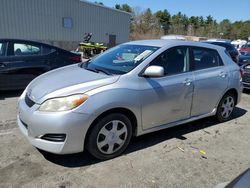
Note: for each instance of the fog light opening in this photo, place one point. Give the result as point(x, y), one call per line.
point(54, 137)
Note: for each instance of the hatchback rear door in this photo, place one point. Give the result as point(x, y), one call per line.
point(210, 79)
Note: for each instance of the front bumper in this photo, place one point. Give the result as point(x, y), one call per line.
point(35, 124)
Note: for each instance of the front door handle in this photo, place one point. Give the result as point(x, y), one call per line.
point(187, 81)
point(223, 74)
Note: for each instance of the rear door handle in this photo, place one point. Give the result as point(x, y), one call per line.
point(187, 81)
point(223, 74)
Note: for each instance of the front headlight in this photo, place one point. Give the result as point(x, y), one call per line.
point(63, 103)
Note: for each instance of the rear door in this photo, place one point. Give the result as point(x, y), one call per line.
point(210, 80)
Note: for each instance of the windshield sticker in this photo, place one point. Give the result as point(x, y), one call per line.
point(143, 55)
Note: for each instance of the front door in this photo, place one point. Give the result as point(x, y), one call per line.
point(3, 64)
point(24, 64)
point(167, 99)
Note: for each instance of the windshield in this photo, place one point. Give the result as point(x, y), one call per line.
point(120, 59)
point(247, 45)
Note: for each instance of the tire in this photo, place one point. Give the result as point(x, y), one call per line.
point(109, 137)
point(226, 107)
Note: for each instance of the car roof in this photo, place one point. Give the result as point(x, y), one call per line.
point(219, 42)
point(30, 41)
point(164, 43)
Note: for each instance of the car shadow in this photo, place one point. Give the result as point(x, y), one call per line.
point(246, 91)
point(10, 94)
point(85, 159)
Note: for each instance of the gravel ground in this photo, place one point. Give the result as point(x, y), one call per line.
point(198, 154)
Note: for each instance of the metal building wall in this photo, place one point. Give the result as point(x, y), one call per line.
point(42, 20)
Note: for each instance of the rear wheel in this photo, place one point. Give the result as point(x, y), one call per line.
point(109, 137)
point(226, 107)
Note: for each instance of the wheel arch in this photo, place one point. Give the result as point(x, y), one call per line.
point(128, 113)
point(234, 92)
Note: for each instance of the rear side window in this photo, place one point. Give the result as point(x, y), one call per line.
point(3, 49)
point(204, 58)
point(47, 50)
point(174, 60)
point(26, 49)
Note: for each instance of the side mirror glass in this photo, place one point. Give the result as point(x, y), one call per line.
point(154, 71)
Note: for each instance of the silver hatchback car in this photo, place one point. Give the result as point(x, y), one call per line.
point(132, 89)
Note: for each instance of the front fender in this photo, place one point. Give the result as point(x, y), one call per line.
point(104, 100)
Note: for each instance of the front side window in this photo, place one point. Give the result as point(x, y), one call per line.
point(26, 49)
point(120, 59)
point(174, 60)
point(204, 58)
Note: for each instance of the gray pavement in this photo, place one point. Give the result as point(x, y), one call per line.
point(198, 154)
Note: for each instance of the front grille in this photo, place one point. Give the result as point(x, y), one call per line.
point(28, 101)
point(54, 137)
point(246, 78)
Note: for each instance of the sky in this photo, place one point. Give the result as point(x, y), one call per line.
point(234, 10)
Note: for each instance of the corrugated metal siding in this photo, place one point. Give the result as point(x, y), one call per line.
point(42, 20)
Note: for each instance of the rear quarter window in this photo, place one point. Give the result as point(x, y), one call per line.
point(226, 52)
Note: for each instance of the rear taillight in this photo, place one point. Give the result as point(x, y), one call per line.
point(75, 59)
point(241, 72)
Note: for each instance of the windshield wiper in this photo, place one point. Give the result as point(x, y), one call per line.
point(85, 63)
point(98, 70)
point(93, 70)
point(103, 71)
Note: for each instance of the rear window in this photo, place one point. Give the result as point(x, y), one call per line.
point(21, 49)
point(204, 58)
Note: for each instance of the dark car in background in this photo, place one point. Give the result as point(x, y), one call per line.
point(246, 75)
point(233, 52)
point(22, 60)
point(244, 59)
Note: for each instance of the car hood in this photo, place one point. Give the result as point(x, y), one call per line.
point(66, 81)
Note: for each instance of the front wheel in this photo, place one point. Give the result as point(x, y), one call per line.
point(109, 137)
point(226, 107)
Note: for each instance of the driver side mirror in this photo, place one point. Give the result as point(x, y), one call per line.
point(153, 71)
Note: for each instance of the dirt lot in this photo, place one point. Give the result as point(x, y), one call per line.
point(169, 158)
